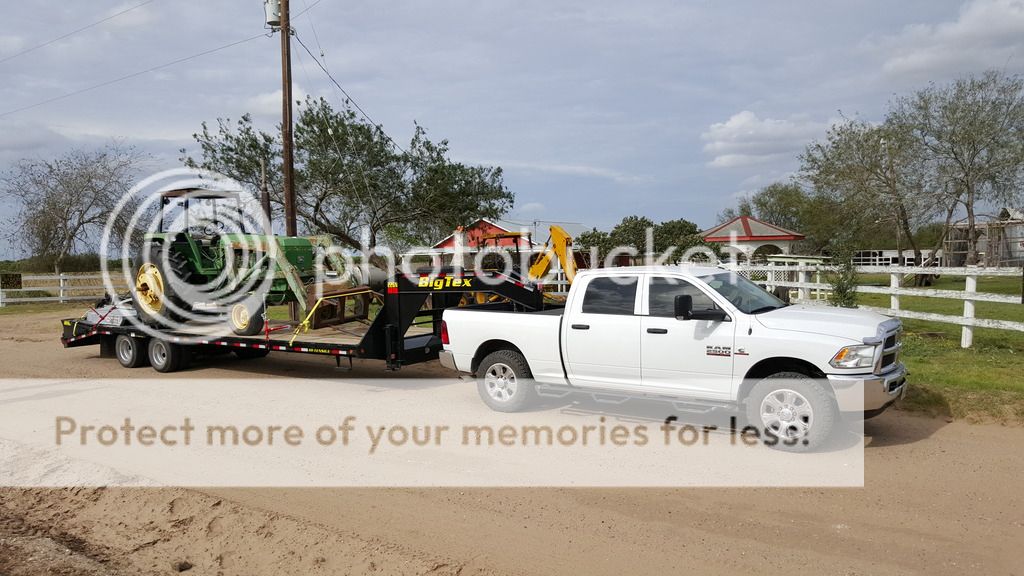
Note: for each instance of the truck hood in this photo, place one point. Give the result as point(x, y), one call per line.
point(826, 320)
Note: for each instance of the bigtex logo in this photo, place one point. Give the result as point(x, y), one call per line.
point(446, 282)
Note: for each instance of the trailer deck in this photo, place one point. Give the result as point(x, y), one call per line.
point(406, 329)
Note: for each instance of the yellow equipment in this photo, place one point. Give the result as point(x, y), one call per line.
point(559, 245)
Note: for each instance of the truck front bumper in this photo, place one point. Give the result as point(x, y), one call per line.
point(447, 359)
point(869, 393)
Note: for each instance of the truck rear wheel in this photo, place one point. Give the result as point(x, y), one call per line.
point(792, 408)
point(130, 352)
point(505, 382)
point(167, 356)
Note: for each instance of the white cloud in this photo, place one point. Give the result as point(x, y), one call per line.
point(568, 170)
point(10, 44)
point(530, 208)
point(744, 139)
point(269, 103)
point(986, 34)
point(134, 18)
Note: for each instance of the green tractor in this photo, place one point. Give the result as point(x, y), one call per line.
point(202, 263)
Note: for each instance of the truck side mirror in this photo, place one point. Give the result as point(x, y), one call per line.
point(684, 307)
point(685, 311)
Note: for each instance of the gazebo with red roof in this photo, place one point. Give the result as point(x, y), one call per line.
point(746, 234)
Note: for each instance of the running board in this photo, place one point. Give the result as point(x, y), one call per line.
point(553, 391)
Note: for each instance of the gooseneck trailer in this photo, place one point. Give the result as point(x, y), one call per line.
point(401, 325)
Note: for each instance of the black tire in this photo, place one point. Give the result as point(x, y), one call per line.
point(797, 429)
point(251, 353)
point(246, 319)
point(166, 356)
point(505, 383)
point(178, 275)
point(131, 352)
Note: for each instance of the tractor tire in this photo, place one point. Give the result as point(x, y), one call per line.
point(170, 286)
point(245, 321)
point(792, 412)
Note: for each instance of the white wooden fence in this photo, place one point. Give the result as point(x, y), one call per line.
point(61, 288)
point(799, 278)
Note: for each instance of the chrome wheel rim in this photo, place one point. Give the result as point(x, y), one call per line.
point(787, 414)
point(500, 382)
point(125, 349)
point(158, 355)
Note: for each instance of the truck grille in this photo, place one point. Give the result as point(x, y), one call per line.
point(890, 352)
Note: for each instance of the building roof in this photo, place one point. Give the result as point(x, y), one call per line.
point(473, 233)
point(749, 229)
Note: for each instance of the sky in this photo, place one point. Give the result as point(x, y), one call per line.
point(594, 109)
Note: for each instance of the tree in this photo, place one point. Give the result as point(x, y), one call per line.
point(973, 129)
point(789, 205)
point(595, 243)
point(352, 178)
point(672, 238)
point(64, 204)
point(879, 174)
point(632, 232)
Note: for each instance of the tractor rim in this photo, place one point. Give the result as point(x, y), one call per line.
point(149, 288)
point(240, 316)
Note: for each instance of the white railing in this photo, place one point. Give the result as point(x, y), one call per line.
point(62, 288)
point(807, 291)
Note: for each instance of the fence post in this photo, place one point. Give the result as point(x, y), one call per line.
point(804, 291)
point(1, 298)
point(967, 333)
point(61, 280)
point(894, 298)
point(817, 280)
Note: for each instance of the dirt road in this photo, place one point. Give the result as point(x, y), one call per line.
point(940, 498)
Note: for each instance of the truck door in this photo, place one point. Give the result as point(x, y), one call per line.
point(602, 334)
point(690, 356)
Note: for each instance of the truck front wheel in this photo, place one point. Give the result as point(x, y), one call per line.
point(791, 411)
point(504, 381)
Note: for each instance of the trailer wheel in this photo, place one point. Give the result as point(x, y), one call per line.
point(130, 352)
point(245, 320)
point(251, 353)
point(505, 382)
point(792, 408)
point(166, 356)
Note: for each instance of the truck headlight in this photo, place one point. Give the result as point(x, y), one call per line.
point(854, 357)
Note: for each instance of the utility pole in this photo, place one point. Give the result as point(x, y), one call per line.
point(288, 157)
point(265, 194)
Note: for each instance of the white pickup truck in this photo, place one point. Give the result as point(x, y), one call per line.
point(700, 336)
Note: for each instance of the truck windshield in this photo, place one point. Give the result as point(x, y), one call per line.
point(748, 297)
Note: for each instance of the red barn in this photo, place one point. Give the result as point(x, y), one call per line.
point(484, 232)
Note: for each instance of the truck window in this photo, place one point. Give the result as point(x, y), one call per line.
point(610, 295)
point(663, 296)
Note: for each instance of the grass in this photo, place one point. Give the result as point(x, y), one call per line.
point(981, 383)
point(72, 309)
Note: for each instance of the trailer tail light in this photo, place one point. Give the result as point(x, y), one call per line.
point(444, 333)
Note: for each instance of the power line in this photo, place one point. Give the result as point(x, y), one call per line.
point(75, 31)
point(129, 76)
point(347, 95)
